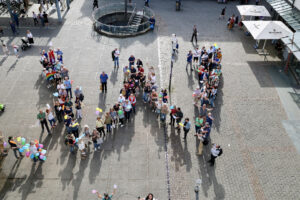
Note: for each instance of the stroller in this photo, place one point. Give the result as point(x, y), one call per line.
point(25, 44)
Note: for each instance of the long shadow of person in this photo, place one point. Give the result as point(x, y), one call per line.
point(11, 183)
point(34, 180)
point(114, 76)
point(79, 176)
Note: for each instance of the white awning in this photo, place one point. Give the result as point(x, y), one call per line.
point(253, 10)
point(267, 30)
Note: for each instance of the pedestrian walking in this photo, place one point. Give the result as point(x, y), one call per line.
point(13, 27)
point(215, 151)
point(147, 3)
point(35, 19)
point(189, 60)
point(195, 33)
point(95, 4)
point(42, 117)
point(103, 80)
point(16, 18)
point(186, 127)
point(116, 57)
point(222, 13)
point(14, 147)
point(45, 17)
point(29, 37)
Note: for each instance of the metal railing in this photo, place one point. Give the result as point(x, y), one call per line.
point(120, 30)
point(132, 16)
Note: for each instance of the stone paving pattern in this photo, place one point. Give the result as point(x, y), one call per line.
point(260, 163)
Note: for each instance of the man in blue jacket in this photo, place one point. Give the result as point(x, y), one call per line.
point(103, 80)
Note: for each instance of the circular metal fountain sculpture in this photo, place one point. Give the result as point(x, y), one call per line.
point(119, 21)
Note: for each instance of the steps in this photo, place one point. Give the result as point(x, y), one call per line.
point(137, 19)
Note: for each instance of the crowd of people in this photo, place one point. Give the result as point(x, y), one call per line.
point(207, 64)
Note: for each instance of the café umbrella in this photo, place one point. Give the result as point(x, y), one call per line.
point(267, 30)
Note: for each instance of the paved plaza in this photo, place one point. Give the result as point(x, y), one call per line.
point(256, 120)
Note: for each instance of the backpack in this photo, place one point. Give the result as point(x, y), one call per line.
point(221, 152)
point(113, 55)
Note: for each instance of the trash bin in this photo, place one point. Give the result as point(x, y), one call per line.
point(178, 4)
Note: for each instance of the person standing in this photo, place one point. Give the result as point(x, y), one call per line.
point(40, 16)
point(127, 108)
point(95, 4)
point(68, 86)
point(35, 20)
point(186, 127)
point(58, 111)
point(14, 147)
point(51, 118)
point(132, 100)
point(4, 48)
point(71, 142)
point(174, 43)
point(116, 58)
point(42, 117)
point(215, 151)
point(196, 55)
point(100, 126)
point(147, 3)
point(126, 72)
point(78, 108)
point(103, 80)
point(16, 50)
point(108, 122)
point(29, 37)
point(222, 13)
point(131, 60)
point(189, 60)
point(195, 32)
point(179, 116)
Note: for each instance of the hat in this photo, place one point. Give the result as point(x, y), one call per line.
point(206, 123)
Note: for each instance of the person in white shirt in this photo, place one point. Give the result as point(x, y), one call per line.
point(29, 37)
point(214, 153)
point(174, 43)
point(116, 58)
point(121, 99)
point(196, 55)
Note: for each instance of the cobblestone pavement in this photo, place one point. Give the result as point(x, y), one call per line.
point(259, 160)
